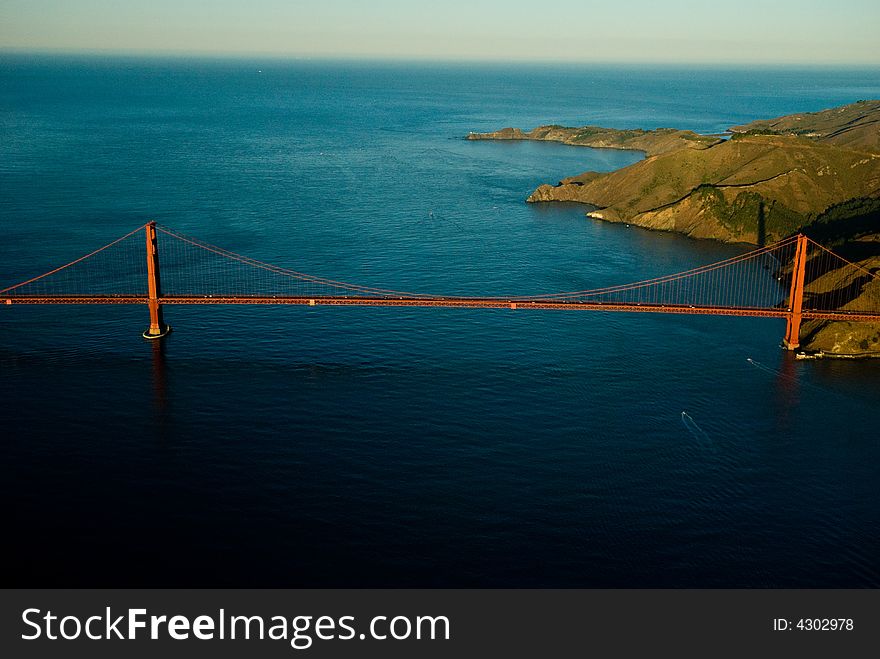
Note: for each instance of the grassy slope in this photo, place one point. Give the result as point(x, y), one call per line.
point(721, 192)
point(856, 126)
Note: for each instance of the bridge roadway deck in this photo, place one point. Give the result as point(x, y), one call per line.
point(447, 302)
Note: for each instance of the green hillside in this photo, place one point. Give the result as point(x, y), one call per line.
point(856, 126)
point(751, 188)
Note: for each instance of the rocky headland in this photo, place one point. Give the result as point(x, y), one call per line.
point(818, 173)
point(651, 142)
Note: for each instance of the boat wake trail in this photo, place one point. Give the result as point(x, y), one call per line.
point(694, 429)
point(761, 366)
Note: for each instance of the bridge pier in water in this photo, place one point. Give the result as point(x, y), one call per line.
point(796, 297)
point(157, 328)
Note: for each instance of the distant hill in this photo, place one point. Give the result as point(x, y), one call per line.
point(652, 142)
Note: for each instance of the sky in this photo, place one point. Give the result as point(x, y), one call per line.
point(834, 32)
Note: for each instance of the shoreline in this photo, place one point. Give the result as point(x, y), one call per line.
point(821, 354)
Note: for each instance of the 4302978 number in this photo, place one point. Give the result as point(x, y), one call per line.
point(825, 624)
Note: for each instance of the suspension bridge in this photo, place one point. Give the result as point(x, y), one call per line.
point(796, 279)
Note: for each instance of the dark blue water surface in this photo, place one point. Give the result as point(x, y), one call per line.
point(277, 446)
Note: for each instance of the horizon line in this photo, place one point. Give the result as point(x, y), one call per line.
point(419, 59)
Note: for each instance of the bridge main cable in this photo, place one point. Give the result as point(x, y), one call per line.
point(384, 292)
point(74, 262)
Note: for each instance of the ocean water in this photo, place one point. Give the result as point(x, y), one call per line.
point(403, 447)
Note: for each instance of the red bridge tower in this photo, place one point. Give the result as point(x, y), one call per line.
point(157, 328)
point(796, 297)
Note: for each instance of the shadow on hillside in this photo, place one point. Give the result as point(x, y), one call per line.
point(837, 297)
point(839, 229)
point(845, 222)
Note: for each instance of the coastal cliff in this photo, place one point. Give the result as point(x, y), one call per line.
point(813, 172)
point(751, 188)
